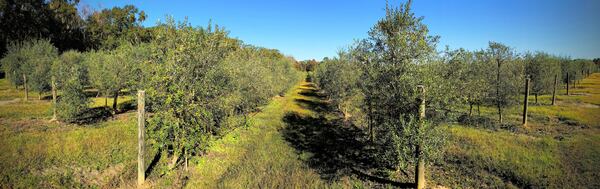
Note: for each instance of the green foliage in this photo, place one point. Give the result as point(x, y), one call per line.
point(12, 64)
point(57, 20)
point(199, 80)
point(307, 65)
point(541, 68)
point(108, 28)
point(408, 135)
point(112, 71)
point(509, 75)
point(32, 59)
point(39, 57)
point(380, 74)
point(70, 74)
point(339, 78)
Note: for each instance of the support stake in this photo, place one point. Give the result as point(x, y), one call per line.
point(420, 169)
point(141, 128)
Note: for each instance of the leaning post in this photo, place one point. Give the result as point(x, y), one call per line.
point(526, 101)
point(420, 169)
point(141, 128)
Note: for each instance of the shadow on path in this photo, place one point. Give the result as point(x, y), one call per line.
point(337, 149)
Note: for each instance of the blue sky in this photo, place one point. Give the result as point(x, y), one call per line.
point(310, 29)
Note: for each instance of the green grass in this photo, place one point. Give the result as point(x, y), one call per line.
point(548, 153)
point(8, 92)
point(256, 157)
point(37, 153)
point(522, 159)
point(561, 145)
point(43, 154)
point(26, 110)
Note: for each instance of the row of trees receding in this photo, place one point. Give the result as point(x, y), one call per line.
point(374, 83)
point(199, 82)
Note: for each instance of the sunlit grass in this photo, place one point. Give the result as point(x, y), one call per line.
point(26, 110)
point(57, 155)
point(533, 160)
point(8, 92)
point(257, 156)
point(101, 101)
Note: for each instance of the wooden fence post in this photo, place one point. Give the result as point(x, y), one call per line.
point(141, 128)
point(420, 169)
point(53, 80)
point(526, 101)
point(554, 90)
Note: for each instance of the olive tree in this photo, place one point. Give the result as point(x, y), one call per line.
point(69, 75)
point(392, 63)
point(12, 64)
point(98, 72)
point(541, 68)
point(186, 86)
point(28, 63)
point(39, 57)
point(509, 74)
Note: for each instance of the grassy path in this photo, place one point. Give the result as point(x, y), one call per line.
point(258, 156)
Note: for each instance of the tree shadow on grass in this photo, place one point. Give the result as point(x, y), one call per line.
point(336, 148)
point(94, 115)
point(153, 163)
point(98, 114)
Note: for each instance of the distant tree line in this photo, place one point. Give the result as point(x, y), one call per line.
point(307, 65)
point(68, 28)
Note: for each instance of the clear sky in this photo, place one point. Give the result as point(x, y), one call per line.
point(308, 29)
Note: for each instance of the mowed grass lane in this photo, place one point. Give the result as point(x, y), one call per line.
point(257, 156)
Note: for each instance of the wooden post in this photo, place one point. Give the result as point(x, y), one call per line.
point(53, 80)
point(526, 101)
point(25, 85)
point(141, 129)
point(420, 169)
point(554, 90)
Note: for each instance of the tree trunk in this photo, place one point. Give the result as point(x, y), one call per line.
point(185, 154)
point(114, 106)
point(174, 159)
point(39, 95)
point(498, 92)
point(470, 109)
point(567, 84)
point(370, 117)
point(478, 110)
point(26, 88)
point(554, 90)
point(536, 99)
point(499, 114)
